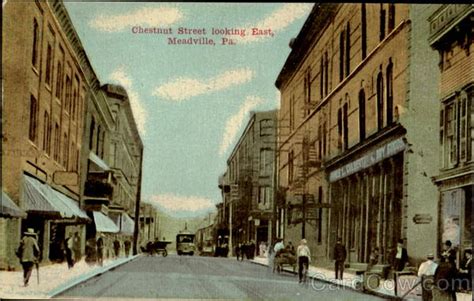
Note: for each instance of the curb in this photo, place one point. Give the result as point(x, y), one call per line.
point(369, 292)
point(94, 273)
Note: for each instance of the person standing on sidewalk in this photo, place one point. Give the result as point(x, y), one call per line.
point(127, 245)
point(401, 257)
point(69, 244)
point(340, 255)
point(29, 253)
point(77, 247)
point(304, 258)
point(100, 251)
point(426, 273)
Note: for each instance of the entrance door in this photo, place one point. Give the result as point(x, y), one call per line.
point(56, 242)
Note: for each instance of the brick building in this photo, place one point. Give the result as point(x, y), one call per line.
point(247, 186)
point(451, 37)
point(355, 144)
point(45, 88)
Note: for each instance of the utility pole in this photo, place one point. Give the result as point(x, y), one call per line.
point(137, 207)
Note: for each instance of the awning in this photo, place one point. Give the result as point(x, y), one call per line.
point(8, 208)
point(98, 161)
point(43, 199)
point(104, 223)
point(127, 225)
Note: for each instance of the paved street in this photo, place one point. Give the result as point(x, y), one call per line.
point(203, 277)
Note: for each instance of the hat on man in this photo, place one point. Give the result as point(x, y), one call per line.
point(30, 231)
point(430, 256)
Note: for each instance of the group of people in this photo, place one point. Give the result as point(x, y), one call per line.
point(246, 249)
point(287, 253)
point(440, 280)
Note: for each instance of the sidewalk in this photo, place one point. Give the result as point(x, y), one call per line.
point(386, 288)
point(54, 279)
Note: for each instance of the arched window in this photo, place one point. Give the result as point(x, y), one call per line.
point(362, 115)
point(382, 22)
point(33, 118)
point(380, 100)
point(348, 49)
point(390, 92)
point(391, 17)
point(46, 133)
point(66, 152)
point(34, 59)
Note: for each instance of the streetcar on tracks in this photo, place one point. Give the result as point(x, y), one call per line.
point(185, 243)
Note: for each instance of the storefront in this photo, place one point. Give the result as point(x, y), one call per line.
point(366, 201)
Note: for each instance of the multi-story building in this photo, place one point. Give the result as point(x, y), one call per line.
point(126, 154)
point(355, 143)
point(44, 92)
point(250, 176)
point(149, 224)
point(451, 36)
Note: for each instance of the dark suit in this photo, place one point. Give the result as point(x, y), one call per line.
point(339, 256)
point(399, 263)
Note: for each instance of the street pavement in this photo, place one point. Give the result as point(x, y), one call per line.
point(151, 277)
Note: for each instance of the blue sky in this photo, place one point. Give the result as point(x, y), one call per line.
point(191, 102)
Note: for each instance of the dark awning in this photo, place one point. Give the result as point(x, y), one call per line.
point(41, 198)
point(8, 208)
point(104, 223)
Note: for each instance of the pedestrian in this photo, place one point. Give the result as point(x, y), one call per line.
point(426, 273)
point(465, 271)
point(76, 245)
point(340, 255)
point(68, 245)
point(100, 251)
point(304, 258)
point(261, 249)
point(91, 253)
point(449, 253)
point(127, 245)
point(29, 253)
point(238, 248)
point(401, 257)
point(444, 289)
point(252, 249)
point(271, 256)
point(116, 248)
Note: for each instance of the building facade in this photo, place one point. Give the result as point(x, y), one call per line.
point(451, 37)
point(45, 88)
point(355, 153)
point(247, 186)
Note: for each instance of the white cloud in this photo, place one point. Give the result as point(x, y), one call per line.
point(278, 20)
point(235, 122)
point(146, 17)
point(184, 88)
point(119, 76)
point(184, 205)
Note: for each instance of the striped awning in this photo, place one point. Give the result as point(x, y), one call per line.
point(41, 198)
point(104, 224)
point(8, 208)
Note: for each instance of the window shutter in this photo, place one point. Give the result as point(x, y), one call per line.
point(454, 132)
point(441, 138)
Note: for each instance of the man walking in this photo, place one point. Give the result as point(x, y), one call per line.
point(28, 252)
point(426, 273)
point(304, 258)
point(69, 244)
point(340, 257)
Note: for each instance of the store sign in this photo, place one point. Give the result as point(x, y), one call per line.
point(422, 218)
point(382, 153)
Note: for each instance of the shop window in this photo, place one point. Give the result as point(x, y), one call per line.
point(33, 119)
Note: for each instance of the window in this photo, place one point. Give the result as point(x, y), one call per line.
point(290, 167)
point(34, 58)
point(265, 162)
point(49, 58)
point(341, 56)
point(102, 145)
point(345, 110)
point(59, 76)
point(66, 151)
point(339, 128)
point(98, 137)
point(390, 92)
point(307, 92)
point(382, 22)
point(266, 126)
point(292, 113)
point(380, 101)
point(326, 73)
point(264, 196)
point(47, 134)
point(57, 148)
point(391, 17)
point(33, 118)
point(321, 78)
point(67, 103)
point(364, 31)
point(348, 49)
point(362, 115)
point(91, 134)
